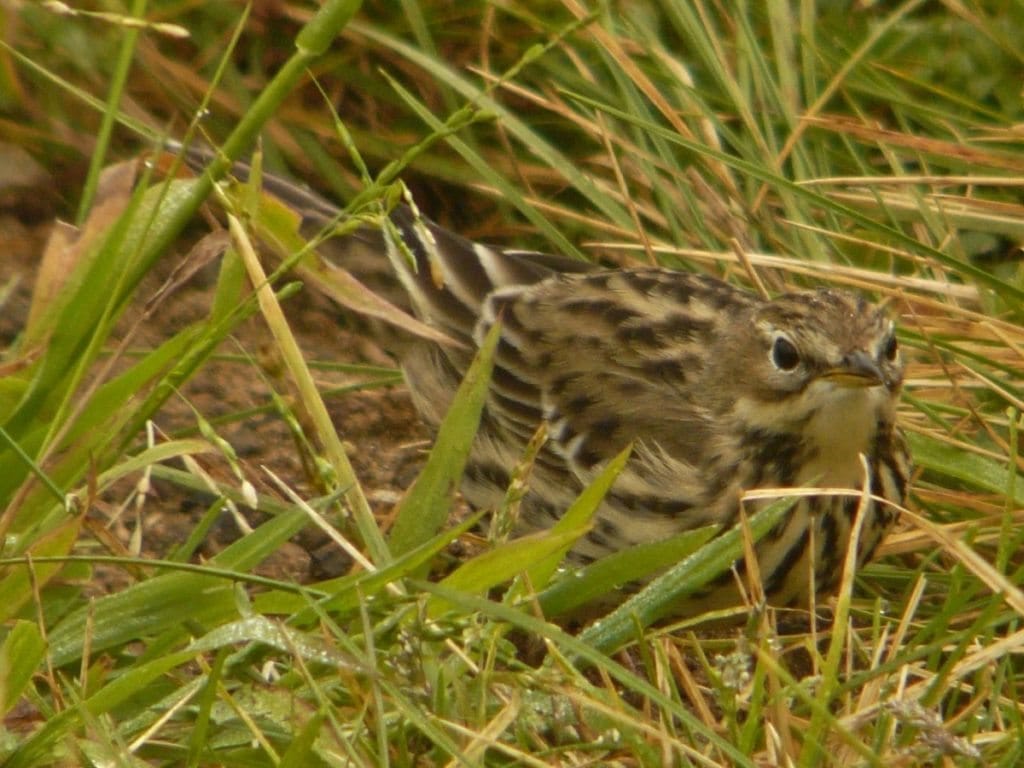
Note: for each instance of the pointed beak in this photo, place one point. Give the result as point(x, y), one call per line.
point(856, 370)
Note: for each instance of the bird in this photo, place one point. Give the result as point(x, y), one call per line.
point(720, 391)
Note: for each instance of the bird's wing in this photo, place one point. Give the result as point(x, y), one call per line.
point(608, 358)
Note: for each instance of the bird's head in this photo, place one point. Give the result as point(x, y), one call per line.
point(809, 355)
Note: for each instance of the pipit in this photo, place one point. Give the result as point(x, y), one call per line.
point(718, 390)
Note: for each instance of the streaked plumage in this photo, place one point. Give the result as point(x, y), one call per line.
point(721, 391)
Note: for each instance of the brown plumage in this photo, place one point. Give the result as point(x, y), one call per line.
point(720, 391)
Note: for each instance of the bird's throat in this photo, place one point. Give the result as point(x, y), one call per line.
point(842, 428)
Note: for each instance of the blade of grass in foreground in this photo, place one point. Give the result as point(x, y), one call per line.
point(977, 471)
point(610, 573)
point(164, 603)
point(427, 504)
point(21, 653)
point(345, 593)
point(586, 653)
point(578, 517)
point(506, 561)
point(656, 600)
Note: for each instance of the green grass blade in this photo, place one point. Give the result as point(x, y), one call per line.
point(656, 600)
point(579, 586)
point(972, 469)
point(577, 520)
point(427, 504)
point(167, 601)
point(508, 560)
point(22, 651)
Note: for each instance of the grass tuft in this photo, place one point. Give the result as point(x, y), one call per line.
point(776, 145)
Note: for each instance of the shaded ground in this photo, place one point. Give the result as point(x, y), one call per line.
point(387, 438)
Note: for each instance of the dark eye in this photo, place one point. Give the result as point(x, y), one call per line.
point(784, 354)
point(891, 348)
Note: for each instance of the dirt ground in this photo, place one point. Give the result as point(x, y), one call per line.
point(388, 440)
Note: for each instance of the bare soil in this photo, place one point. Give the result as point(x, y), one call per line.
point(387, 440)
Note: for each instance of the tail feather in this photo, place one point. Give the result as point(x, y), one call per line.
point(445, 277)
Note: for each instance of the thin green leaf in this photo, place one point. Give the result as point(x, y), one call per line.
point(427, 504)
point(504, 562)
point(300, 751)
point(345, 593)
point(19, 587)
point(657, 599)
point(970, 468)
point(36, 749)
point(579, 586)
point(20, 655)
point(577, 519)
point(167, 601)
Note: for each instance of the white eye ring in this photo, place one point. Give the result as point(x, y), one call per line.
point(891, 347)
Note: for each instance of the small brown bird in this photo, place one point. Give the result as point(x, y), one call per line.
point(720, 391)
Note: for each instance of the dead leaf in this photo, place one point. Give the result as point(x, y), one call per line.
point(68, 246)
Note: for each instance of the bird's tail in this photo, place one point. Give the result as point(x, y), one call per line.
point(443, 277)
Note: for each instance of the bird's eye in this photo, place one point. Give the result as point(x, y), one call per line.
point(892, 348)
point(784, 355)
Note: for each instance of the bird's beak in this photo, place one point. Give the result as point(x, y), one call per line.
point(856, 370)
